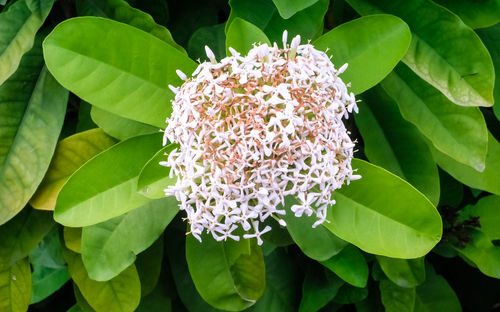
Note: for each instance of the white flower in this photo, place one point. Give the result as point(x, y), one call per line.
point(255, 129)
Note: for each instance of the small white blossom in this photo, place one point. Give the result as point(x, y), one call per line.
point(255, 129)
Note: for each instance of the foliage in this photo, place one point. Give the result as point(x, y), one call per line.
point(85, 225)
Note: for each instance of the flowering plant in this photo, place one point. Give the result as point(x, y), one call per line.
point(186, 155)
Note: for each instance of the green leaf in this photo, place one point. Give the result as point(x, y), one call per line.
point(487, 209)
point(176, 247)
point(228, 275)
point(444, 51)
point(32, 108)
point(46, 281)
point(115, 74)
point(121, 294)
point(288, 8)
point(317, 243)
point(119, 127)
point(404, 273)
point(73, 239)
point(121, 11)
point(241, 36)
point(403, 152)
point(395, 298)
point(157, 8)
point(319, 287)
point(486, 180)
point(48, 252)
point(459, 132)
point(349, 265)
point(106, 186)
point(49, 267)
point(15, 286)
point(436, 295)
point(282, 291)
point(476, 14)
point(70, 154)
point(18, 27)
point(21, 234)
point(148, 264)
point(212, 36)
point(491, 39)
point(110, 247)
point(381, 41)
point(154, 178)
point(384, 215)
point(262, 13)
point(481, 251)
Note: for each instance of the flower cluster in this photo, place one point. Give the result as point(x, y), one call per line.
point(254, 129)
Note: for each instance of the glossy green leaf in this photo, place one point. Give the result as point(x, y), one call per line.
point(149, 265)
point(488, 211)
point(107, 67)
point(381, 41)
point(486, 180)
point(384, 215)
point(319, 287)
point(176, 247)
point(32, 108)
point(444, 51)
point(211, 36)
point(106, 186)
point(395, 298)
point(282, 291)
point(459, 132)
point(119, 127)
point(18, 27)
point(21, 234)
point(476, 14)
point(15, 286)
point(228, 275)
point(154, 178)
point(263, 14)
point(73, 239)
point(481, 251)
point(121, 11)
point(121, 294)
point(70, 154)
point(287, 8)
point(395, 144)
point(403, 272)
point(349, 265)
point(317, 243)
point(241, 36)
point(491, 39)
point(436, 295)
point(110, 247)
